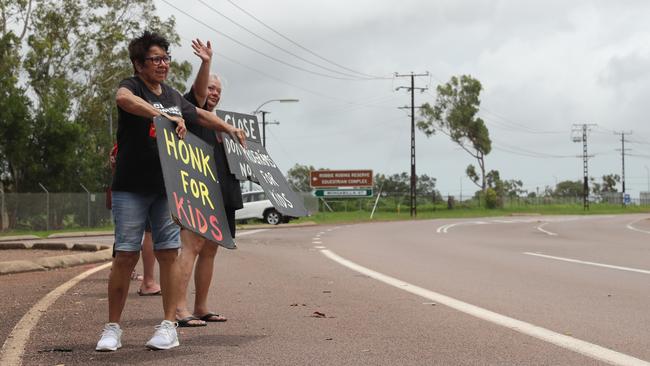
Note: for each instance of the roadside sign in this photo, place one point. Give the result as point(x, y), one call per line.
point(340, 178)
point(343, 192)
point(627, 199)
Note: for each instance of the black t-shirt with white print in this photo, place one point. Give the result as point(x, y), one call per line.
point(138, 164)
point(230, 189)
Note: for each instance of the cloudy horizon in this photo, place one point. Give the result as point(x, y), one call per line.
point(543, 66)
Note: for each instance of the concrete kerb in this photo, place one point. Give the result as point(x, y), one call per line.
point(100, 253)
point(18, 237)
point(79, 234)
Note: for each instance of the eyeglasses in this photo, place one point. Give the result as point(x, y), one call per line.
point(156, 60)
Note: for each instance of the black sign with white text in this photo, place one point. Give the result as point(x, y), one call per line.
point(234, 151)
point(254, 163)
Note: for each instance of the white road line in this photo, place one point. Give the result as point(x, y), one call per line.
point(319, 247)
point(629, 226)
point(317, 242)
point(588, 349)
point(249, 232)
point(540, 228)
point(589, 263)
point(439, 230)
point(449, 226)
point(14, 347)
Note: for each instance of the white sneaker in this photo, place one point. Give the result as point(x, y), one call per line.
point(165, 336)
point(111, 338)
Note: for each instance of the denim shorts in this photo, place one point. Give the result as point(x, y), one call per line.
point(131, 211)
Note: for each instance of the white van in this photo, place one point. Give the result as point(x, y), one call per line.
point(257, 206)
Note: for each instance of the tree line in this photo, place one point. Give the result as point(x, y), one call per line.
point(60, 64)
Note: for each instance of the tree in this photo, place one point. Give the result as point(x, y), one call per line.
point(569, 188)
point(401, 184)
point(75, 54)
point(609, 182)
point(455, 114)
point(16, 126)
point(298, 177)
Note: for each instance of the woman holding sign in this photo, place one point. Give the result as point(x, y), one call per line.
point(138, 186)
point(205, 93)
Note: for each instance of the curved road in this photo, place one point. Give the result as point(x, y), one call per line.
point(495, 291)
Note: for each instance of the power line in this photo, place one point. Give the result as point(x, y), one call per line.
point(504, 122)
point(535, 154)
point(280, 47)
point(254, 49)
point(303, 47)
point(322, 95)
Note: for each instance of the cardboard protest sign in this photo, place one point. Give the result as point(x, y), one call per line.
point(191, 182)
point(246, 122)
point(275, 185)
point(254, 163)
point(234, 153)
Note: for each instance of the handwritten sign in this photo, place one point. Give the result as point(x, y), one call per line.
point(273, 182)
point(193, 190)
point(234, 152)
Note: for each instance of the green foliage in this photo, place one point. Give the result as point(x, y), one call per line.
point(609, 182)
point(75, 55)
point(298, 177)
point(569, 188)
point(491, 199)
point(455, 114)
point(16, 124)
point(504, 188)
point(401, 183)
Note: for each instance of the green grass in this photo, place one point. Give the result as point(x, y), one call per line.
point(424, 212)
point(427, 212)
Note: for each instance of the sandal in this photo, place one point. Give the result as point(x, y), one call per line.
point(155, 293)
point(185, 322)
point(211, 317)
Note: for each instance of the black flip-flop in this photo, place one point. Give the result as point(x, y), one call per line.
point(156, 293)
point(185, 322)
point(208, 318)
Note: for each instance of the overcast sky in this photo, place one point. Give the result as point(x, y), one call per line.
point(544, 66)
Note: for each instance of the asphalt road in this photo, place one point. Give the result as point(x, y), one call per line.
point(438, 292)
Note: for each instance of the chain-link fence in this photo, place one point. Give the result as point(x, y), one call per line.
point(400, 202)
point(53, 211)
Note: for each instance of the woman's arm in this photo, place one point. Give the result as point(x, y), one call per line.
point(200, 86)
point(213, 122)
point(133, 104)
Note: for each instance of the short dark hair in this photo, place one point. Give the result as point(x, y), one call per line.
point(139, 47)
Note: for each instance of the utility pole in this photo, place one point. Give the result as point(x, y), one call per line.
point(264, 123)
point(412, 89)
point(579, 133)
point(623, 149)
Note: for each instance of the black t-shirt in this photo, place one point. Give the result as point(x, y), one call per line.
point(230, 189)
point(138, 164)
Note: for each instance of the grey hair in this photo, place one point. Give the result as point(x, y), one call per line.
point(216, 77)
